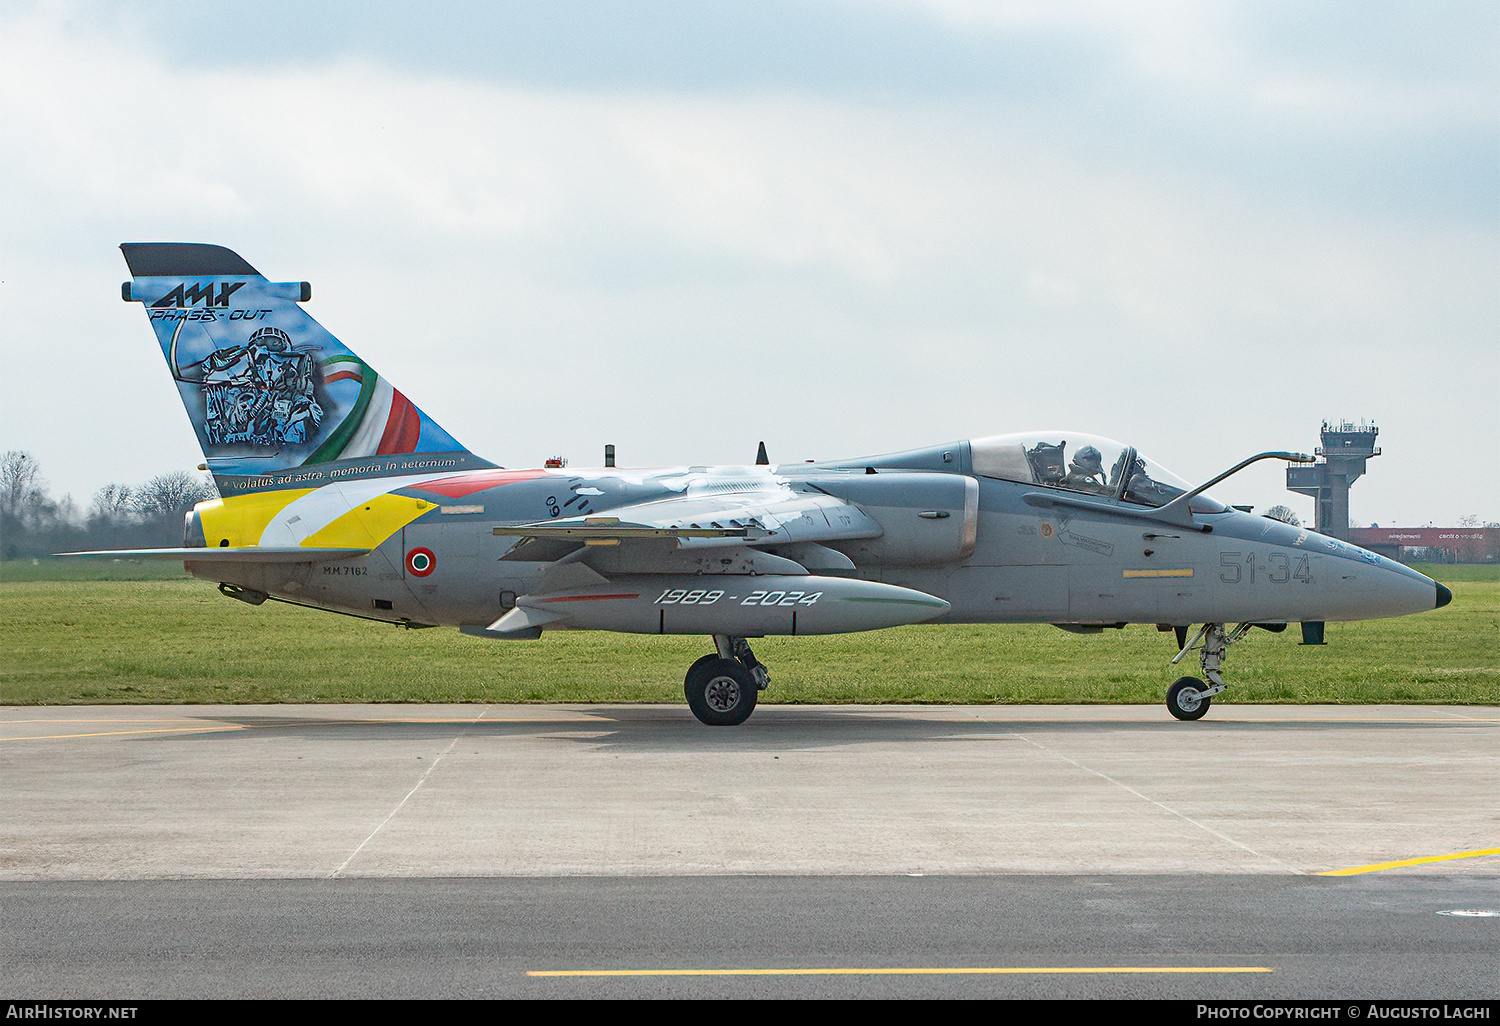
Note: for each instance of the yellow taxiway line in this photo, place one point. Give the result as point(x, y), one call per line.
point(283, 726)
point(970, 971)
point(115, 733)
point(1376, 867)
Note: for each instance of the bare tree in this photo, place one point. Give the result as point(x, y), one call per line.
point(21, 486)
point(112, 502)
point(1285, 514)
point(166, 494)
point(32, 523)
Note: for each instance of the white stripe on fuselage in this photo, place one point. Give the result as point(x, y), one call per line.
point(319, 508)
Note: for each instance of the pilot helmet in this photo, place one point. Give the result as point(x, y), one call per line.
point(272, 338)
point(1088, 458)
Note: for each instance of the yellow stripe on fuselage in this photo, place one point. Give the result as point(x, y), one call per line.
point(242, 518)
point(370, 523)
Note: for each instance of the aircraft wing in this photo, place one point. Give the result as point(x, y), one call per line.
point(748, 518)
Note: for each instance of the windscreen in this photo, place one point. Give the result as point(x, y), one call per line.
point(1082, 463)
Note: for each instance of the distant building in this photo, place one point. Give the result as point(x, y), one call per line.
point(1438, 544)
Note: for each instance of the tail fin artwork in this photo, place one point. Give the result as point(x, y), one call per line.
point(276, 400)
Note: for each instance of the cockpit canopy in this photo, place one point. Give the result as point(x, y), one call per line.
point(1082, 463)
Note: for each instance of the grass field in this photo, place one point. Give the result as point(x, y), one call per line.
point(146, 633)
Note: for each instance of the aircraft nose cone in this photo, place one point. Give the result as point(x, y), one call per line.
point(1444, 596)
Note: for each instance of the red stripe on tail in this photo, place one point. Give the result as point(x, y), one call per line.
point(402, 427)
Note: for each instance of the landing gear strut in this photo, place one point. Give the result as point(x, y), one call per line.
point(1188, 698)
point(722, 688)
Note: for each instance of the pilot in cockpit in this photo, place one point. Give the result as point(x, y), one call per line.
point(1086, 474)
point(1142, 488)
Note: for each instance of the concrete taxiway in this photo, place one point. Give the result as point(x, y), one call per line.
point(441, 791)
point(473, 851)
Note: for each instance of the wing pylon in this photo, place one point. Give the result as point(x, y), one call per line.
point(729, 519)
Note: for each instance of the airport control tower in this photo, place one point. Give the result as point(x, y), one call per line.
point(1341, 460)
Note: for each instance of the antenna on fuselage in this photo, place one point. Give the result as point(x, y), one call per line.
point(761, 459)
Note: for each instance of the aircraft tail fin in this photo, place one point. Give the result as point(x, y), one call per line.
point(276, 400)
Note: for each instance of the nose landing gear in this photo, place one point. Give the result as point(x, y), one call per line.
point(1189, 698)
point(722, 688)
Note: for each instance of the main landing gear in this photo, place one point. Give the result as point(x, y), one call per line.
point(722, 688)
point(1188, 698)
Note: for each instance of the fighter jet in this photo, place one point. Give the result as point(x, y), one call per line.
point(338, 492)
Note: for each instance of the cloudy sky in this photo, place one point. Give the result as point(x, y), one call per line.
point(842, 226)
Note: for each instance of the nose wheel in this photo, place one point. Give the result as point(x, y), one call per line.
point(1188, 698)
point(722, 688)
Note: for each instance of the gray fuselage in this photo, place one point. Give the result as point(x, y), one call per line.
point(933, 526)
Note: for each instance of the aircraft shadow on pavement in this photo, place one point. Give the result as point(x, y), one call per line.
point(778, 728)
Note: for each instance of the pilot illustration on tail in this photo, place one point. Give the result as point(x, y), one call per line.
point(268, 389)
point(262, 393)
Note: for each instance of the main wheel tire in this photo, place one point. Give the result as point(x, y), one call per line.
point(721, 692)
point(1185, 699)
point(700, 663)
